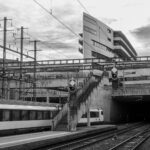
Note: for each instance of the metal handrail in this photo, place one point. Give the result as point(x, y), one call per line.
point(75, 61)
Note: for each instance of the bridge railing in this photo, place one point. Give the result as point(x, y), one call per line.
point(74, 61)
point(132, 90)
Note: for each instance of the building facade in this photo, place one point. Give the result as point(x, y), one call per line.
point(100, 41)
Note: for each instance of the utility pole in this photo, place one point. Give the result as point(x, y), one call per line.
point(4, 58)
point(21, 61)
point(34, 74)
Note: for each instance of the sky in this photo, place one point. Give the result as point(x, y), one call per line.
point(132, 17)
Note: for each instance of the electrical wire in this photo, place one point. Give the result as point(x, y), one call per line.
point(56, 18)
point(43, 42)
point(83, 6)
point(63, 24)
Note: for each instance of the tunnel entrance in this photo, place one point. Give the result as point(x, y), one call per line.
point(132, 109)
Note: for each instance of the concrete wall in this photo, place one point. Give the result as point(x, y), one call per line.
point(101, 98)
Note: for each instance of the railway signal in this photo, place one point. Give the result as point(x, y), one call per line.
point(114, 73)
point(72, 85)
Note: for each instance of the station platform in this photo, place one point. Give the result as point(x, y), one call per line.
point(36, 140)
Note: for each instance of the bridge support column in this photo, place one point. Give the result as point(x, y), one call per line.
point(88, 112)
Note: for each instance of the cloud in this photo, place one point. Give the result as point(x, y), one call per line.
point(3, 8)
point(43, 26)
point(142, 35)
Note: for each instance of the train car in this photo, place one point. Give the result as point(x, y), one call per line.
point(96, 117)
point(23, 118)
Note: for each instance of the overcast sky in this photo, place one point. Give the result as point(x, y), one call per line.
point(130, 16)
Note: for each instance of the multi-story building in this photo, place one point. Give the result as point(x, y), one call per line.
point(100, 41)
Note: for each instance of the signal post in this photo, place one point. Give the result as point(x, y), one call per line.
point(72, 87)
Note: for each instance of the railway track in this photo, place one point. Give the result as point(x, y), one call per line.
point(133, 142)
point(89, 141)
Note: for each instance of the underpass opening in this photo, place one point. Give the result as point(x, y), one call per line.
point(132, 108)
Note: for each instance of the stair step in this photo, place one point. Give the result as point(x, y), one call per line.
point(75, 103)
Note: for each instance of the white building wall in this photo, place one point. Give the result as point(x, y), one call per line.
point(94, 30)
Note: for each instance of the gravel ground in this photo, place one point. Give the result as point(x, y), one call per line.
point(145, 145)
point(109, 143)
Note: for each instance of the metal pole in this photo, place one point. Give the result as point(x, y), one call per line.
point(21, 60)
point(4, 58)
point(34, 84)
point(34, 73)
point(68, 112)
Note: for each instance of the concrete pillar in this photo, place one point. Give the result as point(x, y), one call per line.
point(88, 112)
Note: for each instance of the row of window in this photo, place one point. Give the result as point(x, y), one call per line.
point(97, 55)
point(90, 30)
point(90, 20)
point(92, 115)
point(18, 115)
point(101, 46)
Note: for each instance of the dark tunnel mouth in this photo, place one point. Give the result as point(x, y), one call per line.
point(133, 109)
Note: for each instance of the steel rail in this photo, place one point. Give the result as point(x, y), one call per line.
point(134, 138)
point(141, 142)
point(92, 140)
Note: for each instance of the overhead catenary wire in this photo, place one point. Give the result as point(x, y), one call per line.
point(42, 42)
point(83, 6)
point(77, 35)
point(51, 7)
point(56, 18)
point(11, 43)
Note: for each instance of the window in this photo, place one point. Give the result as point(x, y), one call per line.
point(92, 21)
point(94, 114)
point(51, 115)
point(6, 115)
point(15, 115)
point(98, 55)
point(84, 115)
point(90, 30)
point(39, 115)
point(109, 39)
point(46, 115)
point(32, 115)
point(24, 115)
point(1, 115)
point(116, 43)
point(101, 46)
point(109, 31)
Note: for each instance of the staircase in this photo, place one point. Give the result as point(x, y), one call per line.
point(77, 103)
